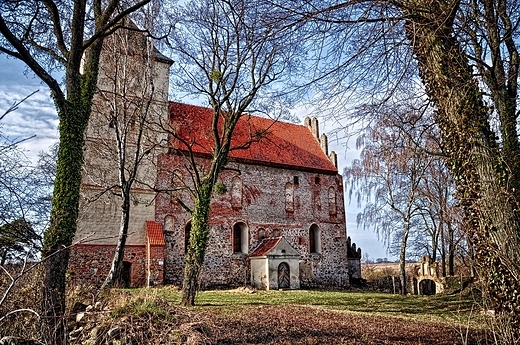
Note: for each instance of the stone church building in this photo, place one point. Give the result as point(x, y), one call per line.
point(278, 223)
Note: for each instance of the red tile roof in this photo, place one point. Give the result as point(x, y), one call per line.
point(284, 144)
point(154, 233)
point(266, 246)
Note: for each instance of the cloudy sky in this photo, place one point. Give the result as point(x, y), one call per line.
point(37, 117)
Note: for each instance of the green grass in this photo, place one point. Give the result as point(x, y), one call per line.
point(454, 308)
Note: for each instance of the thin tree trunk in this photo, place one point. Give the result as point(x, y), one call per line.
point(443, 248)
point(451, 251)
point(402, 257)
point(114, 274)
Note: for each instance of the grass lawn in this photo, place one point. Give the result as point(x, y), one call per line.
point(449, 309)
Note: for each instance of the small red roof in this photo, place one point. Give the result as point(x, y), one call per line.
point(154, 233)
point(267, 245)
point(281, 144)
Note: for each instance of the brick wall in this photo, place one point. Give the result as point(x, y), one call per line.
point(155, 264)
point(90, 264)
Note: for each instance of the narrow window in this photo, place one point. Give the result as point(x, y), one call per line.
point(237, 239)
point(317, 180)
point(296, 180)
point(314, 239)
point(240, 238)
point(236, 192)
point(261, 234)
point(332, 201)
point(187, 232)
point(289, 197)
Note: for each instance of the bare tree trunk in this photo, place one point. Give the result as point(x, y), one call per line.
point(197, 243)
point(114, 274)
point(402, 257)
point(451, 251)
point(443, 248)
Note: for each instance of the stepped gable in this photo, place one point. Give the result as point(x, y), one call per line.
point(275, 143)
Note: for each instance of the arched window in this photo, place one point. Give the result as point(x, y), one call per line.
point(314, 239)
point(240, 238)
point(261, 234)
point(332, 201)
point(289, 197)
point(187, 232)
point(236, 192)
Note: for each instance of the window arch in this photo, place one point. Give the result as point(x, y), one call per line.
point(289, 197)
point(314, 239)
point(240, 238)
point(187, 232)
point(332, 201)
point(261, 234)
point(236, 192)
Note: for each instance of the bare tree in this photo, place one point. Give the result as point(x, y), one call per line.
point(48, 35)
point(466, 55)
point(389, 177)
point(232, 54)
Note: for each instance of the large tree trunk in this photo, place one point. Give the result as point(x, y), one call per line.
point(197, 243)
point(473, 153)
point(58, 238)
point(74, 114)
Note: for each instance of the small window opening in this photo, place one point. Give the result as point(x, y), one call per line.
point(316, 180)
point(296, 180)
point(237, 239)
point(187, 232)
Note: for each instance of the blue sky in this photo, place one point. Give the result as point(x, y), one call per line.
point(37, 116)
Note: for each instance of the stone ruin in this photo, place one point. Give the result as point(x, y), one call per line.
point(354, 261)
point(426, 280)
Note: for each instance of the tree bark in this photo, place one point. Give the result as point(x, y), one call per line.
point(58, 238)
point(473, 152)
point(197, 243)
point(114, 275)
point(402, 257)
point(74, 114)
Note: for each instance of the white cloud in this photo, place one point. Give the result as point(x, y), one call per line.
point(36, 116)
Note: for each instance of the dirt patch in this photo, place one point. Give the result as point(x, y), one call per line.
point(311, 325)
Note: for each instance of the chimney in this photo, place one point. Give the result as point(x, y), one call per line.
point(315, 129)
point(307, 122)
point(324, 143)
point(334, 159)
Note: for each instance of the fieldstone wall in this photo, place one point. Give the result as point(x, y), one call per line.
point(262, 207)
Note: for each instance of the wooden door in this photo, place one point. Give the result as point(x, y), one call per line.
point(284, 281)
